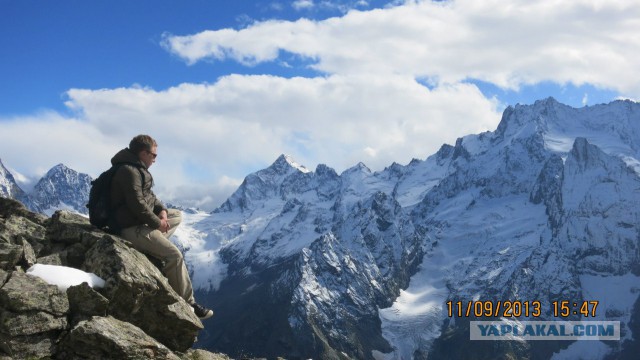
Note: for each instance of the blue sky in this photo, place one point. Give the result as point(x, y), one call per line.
point(101, 44)
point(56, 46)
point(226, 86)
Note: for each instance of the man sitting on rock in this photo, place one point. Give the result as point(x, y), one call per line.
point(144, 220)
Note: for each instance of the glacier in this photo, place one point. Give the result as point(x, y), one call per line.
point(360, 264)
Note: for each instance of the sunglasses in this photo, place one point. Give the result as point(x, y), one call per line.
point(154, 154)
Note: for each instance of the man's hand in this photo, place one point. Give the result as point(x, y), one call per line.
point(164, 225)
point(164, 221)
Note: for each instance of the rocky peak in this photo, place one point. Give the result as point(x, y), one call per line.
point(394, 171)
point(265, 183)
point(285, 163)
point(534, 117)
point(445, 152)
point(59, 169)
point(460, 151)
point(324, 171)
point(362, 167)
point(62, 187)
point(581, 149)
point(327, 182)
point(135, 315)
point(584, 155)
point(8, 186)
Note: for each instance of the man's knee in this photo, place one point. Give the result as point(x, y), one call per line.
point(175, 216)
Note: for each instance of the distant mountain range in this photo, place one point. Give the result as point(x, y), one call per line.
point(315, 264)
point(60, 188)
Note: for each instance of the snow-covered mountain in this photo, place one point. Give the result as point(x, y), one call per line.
point(8, 186)
point(61, 188)
point(301, 263)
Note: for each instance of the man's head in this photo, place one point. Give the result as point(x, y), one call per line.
point(145, 147)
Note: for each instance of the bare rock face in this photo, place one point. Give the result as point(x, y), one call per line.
point(85, 302)
point(140, 294)
point(32, 315)
point(110, 338)
point(136, 315)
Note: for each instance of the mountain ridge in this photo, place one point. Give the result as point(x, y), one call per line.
point(359, 264)
point(61, 188)
point(486, 213)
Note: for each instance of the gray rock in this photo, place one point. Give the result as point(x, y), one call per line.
point(74, 255)
point(4, 276)
point(28, 254)
point(21, 231)
point(10, 207)
point(13, 228)
point(199, 354)
point(30, 323)
point(53, 259)
point(110, 338)
point(140, 294)
point(26, 293)
point(10, 255)
point(67, 227)
point(38, 346)
point(33, 314)
point(85, 302)
point(136, 315)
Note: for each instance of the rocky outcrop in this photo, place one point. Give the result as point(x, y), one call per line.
point(136, 314)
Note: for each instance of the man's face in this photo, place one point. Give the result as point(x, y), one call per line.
point(149, 157)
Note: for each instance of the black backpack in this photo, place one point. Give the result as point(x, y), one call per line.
point(100, 212)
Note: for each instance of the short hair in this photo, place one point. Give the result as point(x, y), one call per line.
point(142, 142)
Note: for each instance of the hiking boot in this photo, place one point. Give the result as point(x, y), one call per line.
point(201, 311)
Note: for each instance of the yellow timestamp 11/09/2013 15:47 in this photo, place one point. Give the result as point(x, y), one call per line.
point(518, 308)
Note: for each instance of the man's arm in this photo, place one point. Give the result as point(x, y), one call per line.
point(163, 214)
point(158, 206)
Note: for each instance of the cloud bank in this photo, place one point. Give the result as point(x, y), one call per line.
point(211, 135)
point(506, 43)
point(392, 85)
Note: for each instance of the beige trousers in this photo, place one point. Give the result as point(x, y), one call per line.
point(157, 244)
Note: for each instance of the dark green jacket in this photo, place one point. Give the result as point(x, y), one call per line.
point(132, 201)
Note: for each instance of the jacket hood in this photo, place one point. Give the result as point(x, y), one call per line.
point(126, 156)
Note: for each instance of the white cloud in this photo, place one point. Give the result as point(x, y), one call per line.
point(505, 43)
point(342, 6)
point(302, 4)
point(212, 135)
point(25, 183)
point(368, 107)
point(31, 145)
point(277, 6)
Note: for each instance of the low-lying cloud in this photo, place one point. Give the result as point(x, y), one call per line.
point(211, 135)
